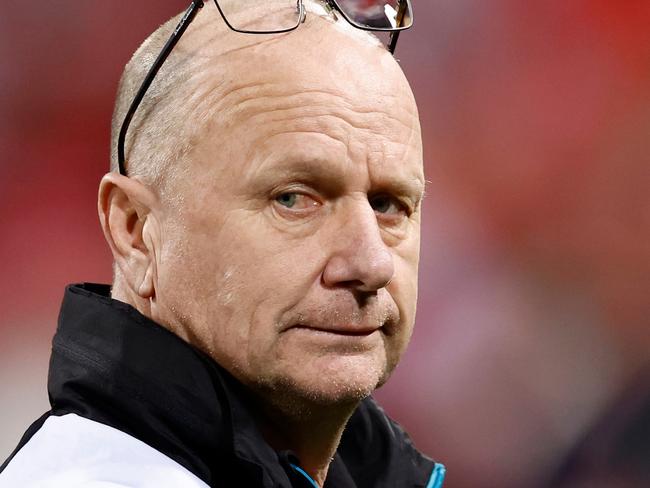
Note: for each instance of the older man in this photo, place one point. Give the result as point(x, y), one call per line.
point(264, 215)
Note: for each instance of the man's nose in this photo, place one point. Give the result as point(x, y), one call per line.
point(360, 258)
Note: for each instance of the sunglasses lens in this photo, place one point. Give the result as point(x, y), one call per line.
point(378, 14)
point(261, 15)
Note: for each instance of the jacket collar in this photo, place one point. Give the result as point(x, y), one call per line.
point(114, 365)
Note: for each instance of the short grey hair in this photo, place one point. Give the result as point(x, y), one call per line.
point(151, 147)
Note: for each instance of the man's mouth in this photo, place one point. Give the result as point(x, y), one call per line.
point(350, 331)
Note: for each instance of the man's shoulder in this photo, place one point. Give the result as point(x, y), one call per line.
point(72, 451)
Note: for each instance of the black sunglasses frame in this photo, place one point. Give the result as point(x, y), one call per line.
point(186, 20)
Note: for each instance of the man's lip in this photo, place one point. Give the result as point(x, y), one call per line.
point(351, 331)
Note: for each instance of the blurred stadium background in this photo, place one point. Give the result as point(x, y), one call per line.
point(535, 276)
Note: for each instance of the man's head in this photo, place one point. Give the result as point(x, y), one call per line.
point(272, 213)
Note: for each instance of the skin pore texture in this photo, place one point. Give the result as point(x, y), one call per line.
point(285, 241)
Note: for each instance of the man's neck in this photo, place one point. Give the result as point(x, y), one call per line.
point(311, 433)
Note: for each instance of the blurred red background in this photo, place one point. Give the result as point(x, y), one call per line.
point(535, 271)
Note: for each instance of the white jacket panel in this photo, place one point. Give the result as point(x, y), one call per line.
point(75, 452)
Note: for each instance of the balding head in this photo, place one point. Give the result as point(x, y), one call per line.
point(173, 113)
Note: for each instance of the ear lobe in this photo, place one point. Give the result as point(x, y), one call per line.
point(125, 212)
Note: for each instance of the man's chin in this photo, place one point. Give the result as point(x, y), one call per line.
point(331, 385)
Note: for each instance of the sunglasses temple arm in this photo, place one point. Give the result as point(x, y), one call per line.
point(182, 26)
point(394, 36)
point(403, 6)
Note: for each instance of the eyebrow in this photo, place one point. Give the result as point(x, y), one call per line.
point(313, 169)
point(408, 187)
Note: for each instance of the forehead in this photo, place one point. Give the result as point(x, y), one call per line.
point(335, 93)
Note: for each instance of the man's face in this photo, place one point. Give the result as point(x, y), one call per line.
point(290, 254)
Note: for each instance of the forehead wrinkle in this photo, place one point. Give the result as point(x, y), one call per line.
point(284, 100)
point(357, 139)
point(358, 148)
point(320, 113)
point(306, 132)
point(372, 121)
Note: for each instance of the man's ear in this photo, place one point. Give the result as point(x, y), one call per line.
point(125, 212)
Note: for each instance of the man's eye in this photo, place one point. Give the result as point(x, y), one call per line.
point(385, 204)
point(296, 201)
point(287, 199)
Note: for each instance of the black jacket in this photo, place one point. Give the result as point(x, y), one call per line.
point(114, 366)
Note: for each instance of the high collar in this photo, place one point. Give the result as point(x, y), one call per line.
point(115, 366)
